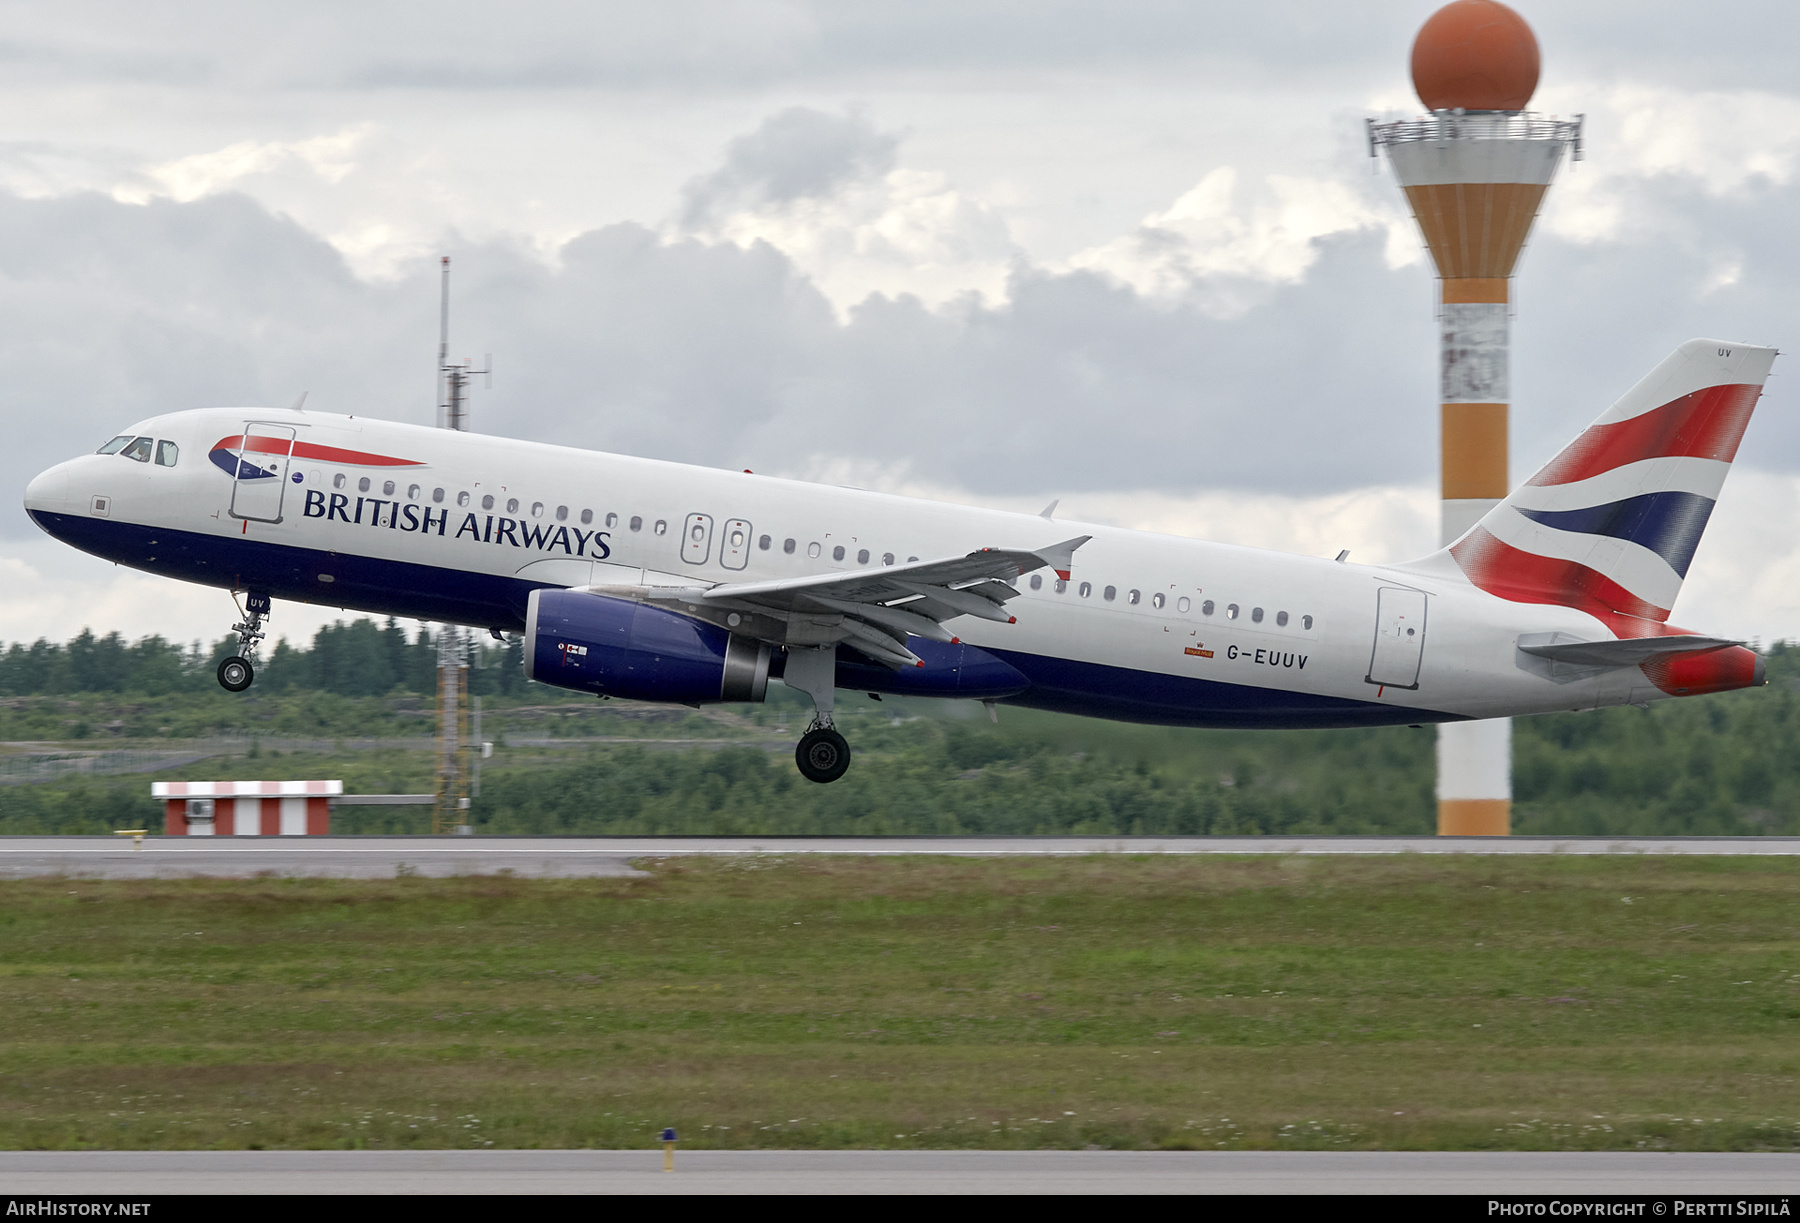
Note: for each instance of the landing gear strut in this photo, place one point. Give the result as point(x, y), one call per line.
point(823, 754)
point(237, 672)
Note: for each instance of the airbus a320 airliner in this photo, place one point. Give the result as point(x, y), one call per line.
point(662, 582)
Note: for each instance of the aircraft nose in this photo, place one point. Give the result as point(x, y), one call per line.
point(49, 492)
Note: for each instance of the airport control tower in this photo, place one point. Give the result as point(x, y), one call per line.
point(1475, 171)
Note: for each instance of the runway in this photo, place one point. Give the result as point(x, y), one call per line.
point(125, 1173)
point(375, 857)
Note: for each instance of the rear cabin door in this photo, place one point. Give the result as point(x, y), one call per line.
point(1399, 638)
point(696, 539)
point(262, 472)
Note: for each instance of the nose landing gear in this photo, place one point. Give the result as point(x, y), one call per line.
point(238, 672)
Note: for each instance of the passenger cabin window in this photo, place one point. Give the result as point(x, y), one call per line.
point(167, 454)
point(412, 492)
point(537, 509)
point(1231, 611)
point(764, 543)
point(612, 520)
point(139, 449)
point(1182, 604)
point(1132, 597)
point(487, 502)
point(1157, 600)
point(661, 527)
point(362, 485)
point(1037, 581)
point(637, 524)
point(512, 505)
point(1206, 608)
point(787, 546)
point(562, 513)
point(837, 553)
point(1110, 593)
point(1281, 619)
point(387, 488)
point(862, 557)
point(1256, 615)
point(116, 445)
point(813, 550)
point(1087, 588)
point(587, 516)
point(887, 558)
point(1306, 622)
point(462, 498)
point(1061, 586)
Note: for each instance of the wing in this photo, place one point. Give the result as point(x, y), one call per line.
point(874, 610)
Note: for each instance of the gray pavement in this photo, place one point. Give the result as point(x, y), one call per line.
point(921, 1172)
point(372, 857)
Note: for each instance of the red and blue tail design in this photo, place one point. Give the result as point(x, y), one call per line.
point(1610, 525)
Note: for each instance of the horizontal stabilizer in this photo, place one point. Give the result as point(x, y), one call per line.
point(1560, 647)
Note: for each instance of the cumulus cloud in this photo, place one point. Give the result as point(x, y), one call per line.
point(1214, 246)
point(826, 191)
point(331, 158)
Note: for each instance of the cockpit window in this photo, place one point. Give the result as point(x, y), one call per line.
point(167, 453)
point(139, 449)
point(116, 445)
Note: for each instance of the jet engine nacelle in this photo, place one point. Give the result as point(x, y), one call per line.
point(614, 647)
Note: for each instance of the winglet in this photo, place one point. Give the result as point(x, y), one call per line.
point(1061, 556)
point(1049, 510)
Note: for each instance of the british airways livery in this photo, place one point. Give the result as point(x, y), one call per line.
point(657, 581)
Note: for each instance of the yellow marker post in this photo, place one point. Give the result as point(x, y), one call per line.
point(669, 1141)
point(136, 835)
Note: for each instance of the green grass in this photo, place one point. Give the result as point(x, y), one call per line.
point(1276, 1002)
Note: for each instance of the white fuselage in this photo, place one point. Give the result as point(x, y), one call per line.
point(1150, 627)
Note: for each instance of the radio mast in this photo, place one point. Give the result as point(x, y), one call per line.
point(451, 811)
point(453, 397)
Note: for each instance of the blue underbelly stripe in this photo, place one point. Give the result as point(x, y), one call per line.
point(428, 592)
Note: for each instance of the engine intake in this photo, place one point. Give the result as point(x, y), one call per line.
point(614, 647)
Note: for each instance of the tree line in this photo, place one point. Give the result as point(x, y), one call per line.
point(359, 658)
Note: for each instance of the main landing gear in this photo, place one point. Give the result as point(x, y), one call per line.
point(823, 754)
point(238, 672)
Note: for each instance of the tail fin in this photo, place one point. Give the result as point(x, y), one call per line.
point(1610, 525)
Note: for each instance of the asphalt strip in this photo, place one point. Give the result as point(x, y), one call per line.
point(1538, 1174)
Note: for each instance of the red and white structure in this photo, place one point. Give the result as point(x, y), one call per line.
point(247, 808)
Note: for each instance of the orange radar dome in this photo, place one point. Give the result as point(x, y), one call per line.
point(1475, 55)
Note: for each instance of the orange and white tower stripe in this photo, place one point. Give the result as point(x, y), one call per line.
point(1475, 173)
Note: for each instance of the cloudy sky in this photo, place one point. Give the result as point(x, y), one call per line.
point(1132, 255)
